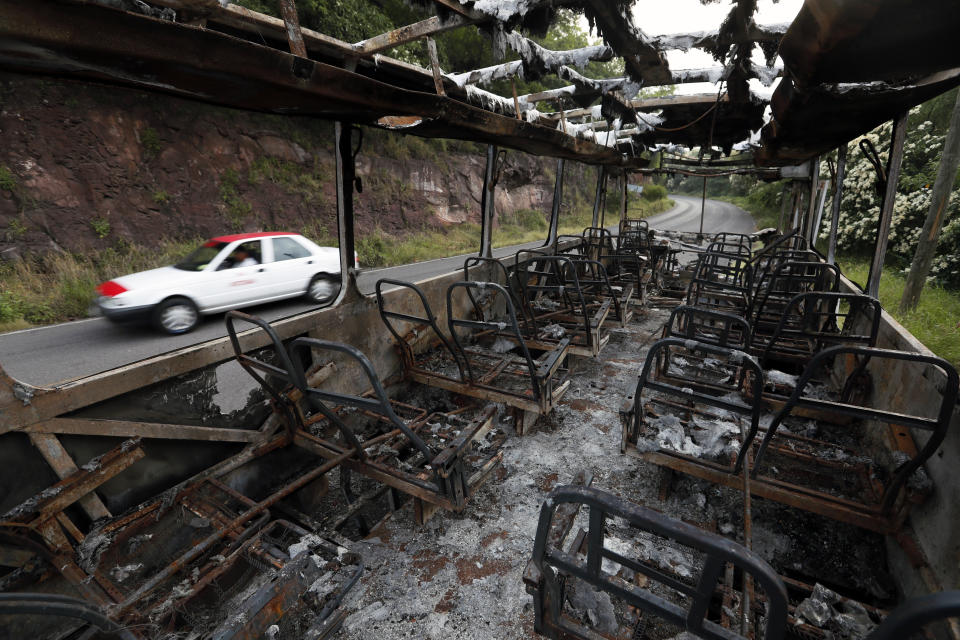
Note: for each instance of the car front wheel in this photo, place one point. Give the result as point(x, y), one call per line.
point(176, 316)
point(323, 288)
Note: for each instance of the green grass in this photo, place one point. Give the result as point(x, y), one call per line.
point(380, 249)
point(152, 144)
point(8, 182)
point(59, 287)
point(935, 320)
point(763, 215)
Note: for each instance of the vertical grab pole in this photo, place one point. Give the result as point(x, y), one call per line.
point(601, 186)
point(835, 208)
point(557, 199)
point(784, 204)
point(487, 203)
point(703, 209)
point(886, 210)
point(623, 197)
point(346, 175)
point(808, 222)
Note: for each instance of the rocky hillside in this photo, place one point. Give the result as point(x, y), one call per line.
point(84, 167)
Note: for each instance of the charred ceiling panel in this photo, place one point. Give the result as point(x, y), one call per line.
point(851, 65)
point(810, 122)
point(865, 40)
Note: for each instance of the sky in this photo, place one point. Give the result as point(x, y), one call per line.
point(658, 17)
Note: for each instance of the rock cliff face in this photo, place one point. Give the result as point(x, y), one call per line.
point(85, 166)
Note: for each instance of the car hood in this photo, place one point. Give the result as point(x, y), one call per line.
point(162, 277)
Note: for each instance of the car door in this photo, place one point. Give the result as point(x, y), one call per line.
point(292, 265)
point(230, 282)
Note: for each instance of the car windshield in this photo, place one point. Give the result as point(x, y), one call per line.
point(201, 257)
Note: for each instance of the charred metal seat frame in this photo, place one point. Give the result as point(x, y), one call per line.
point(721, 282)
point(776, 289)
point(49, 604)
point(597, 243)
point(730, 238)
point(597, 288)
point(544, 384)
point(625, 269)
point(509, 283)
point(229, 531)
point(913, 614)
point(887, 513)
point(553, 566)
point(553, 280)
point(694, 394)
point(813, 321)
point(720, 329)
point(633, 235)
point(440, 477)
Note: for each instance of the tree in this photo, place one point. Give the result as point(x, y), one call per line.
point(942, 188)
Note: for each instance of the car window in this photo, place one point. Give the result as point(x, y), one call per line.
point(286, 248)
point(245, 254)
point(200, 257)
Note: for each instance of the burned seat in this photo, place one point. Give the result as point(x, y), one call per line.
point(909, 619)
point(486, 356)
point(598, 288)
point(201, 557)
point(815, 320)
point(857, 461)
point(634, 235)
point(688, 413)
point(636, 573)
point(551, 290)
point(810, 323)
point(438, 458)
point(642, 571)
point(776, 289)
point(721, 282)
point(625, 272)
point(720, 329)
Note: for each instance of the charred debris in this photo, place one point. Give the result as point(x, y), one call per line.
point(626, 433)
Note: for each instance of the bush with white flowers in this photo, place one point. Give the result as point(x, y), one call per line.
point(860, 207)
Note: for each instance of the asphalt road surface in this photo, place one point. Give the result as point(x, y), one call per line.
point(46, 356)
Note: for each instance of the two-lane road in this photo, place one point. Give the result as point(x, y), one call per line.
point(45, 356)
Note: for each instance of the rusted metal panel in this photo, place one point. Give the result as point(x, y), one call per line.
point(63, 465)
point(409, 33)
point(291, 22)
point(128, 428)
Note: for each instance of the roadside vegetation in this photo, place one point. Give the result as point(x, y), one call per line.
point(380, 249)
point(60, 286)
point(935, 321)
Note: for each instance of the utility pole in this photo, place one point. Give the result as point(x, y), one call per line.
point(942, 186)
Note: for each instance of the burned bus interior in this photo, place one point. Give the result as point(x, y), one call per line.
point(627, 432)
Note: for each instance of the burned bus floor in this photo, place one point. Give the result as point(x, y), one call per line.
point(594, 438)
point(304, 538)
point(461, 575)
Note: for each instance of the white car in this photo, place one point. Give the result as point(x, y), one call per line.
point(226, 272)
